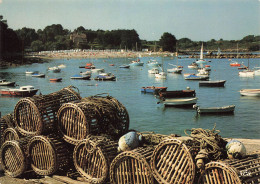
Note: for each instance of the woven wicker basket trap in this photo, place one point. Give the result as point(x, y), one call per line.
point(47, 154)
point(132, 167)
point(93, 156)
point(14, 158)
point(172, 162)
point(240, 171)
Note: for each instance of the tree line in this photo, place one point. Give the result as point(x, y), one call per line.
point(55, 37)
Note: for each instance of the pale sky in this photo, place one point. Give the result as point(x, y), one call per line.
point(199, 20)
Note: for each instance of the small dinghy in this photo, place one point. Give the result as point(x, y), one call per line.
point(215, 110)
point(39, 75)
point(4, 82)
point(179, 101)
point(55, 79)
point(216, 83)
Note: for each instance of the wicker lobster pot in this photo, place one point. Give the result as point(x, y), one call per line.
point(13, 157)
point(132, 167)
point(37, 115)
point(92, 158)
point(172, 162)
point(11, 134)
point(47, 154)
point(3, 127)
point(77, 120)
point(115, 115)
point(245, 170)
point(9, 119)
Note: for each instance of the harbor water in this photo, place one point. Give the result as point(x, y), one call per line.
point(144, 111)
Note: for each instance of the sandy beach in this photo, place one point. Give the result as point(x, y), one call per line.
point(84, 54)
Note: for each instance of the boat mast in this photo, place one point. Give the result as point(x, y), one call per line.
point(201, 52)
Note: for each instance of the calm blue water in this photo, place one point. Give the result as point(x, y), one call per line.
point(145, 114)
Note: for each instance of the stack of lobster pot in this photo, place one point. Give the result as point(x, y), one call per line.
point(172, 162)
point(30, 142)
point(132, 166)
point(246, 170)
point(37, 115)
point(92, 158)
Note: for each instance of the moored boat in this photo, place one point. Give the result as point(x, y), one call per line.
point(124, 66)
point(246, 73)
point(153, 89)
point(106, 77)
point(153, 64)
point(82, 77)
point(234, 63)
point(4, 82)
point(216, 83)
point(193, 65)
point(55, 79)
point(201, 60)
point(23, 91)
point(195, 77)
point(215, 110)
point(62, 66)
point(39, 75)
point(180, 101)
point(153, 71)
point(175, 69)
point(250, 92)
point(54, 69)
point(177, 94)
point(97, 70)
point(161, 75)
point(136, 63)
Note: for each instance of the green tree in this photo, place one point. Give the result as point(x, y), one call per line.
point(9, 41)
point(37, 45)
point(27, 35)
point(168, 42)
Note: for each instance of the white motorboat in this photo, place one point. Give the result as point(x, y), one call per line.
point(203, 72)
point(153, 64)
point(224, 109)
point(180, 101)
point(97, 70)
point(175, 69)
point(23, 91)
point(62, 66)
point(153, 71)
point(39, 75)
point(86, 73)
point(54, 69)
point(161, 75)
point(4, 82)
point(193, 65)
point(31, 72)
point(250, 92)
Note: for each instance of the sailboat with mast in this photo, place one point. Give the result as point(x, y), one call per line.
point(162, 74)
point(176, 69)
point(235, 63)
point(201, 60)
point(247, 72)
